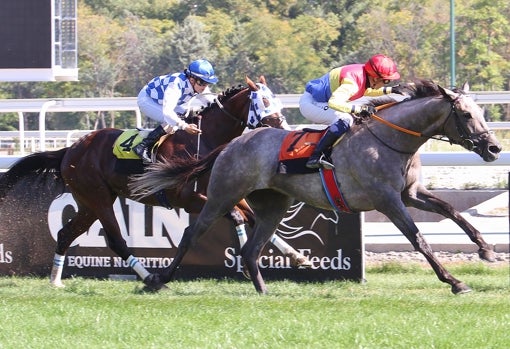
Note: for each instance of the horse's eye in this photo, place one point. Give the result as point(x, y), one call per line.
point(467, 115)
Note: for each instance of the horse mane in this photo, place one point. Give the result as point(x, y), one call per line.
point(228, 93)
point(419, 88)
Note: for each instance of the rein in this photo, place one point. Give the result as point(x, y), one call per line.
point(396, 127)
point(463, 132)
point(229, 114)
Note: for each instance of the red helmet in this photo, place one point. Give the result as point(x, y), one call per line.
point(381, 66)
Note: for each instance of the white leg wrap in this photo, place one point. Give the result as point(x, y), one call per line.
point(298, 259)
point(137, 267)
point(56, 270)
point(284, 247)
point(241, 234)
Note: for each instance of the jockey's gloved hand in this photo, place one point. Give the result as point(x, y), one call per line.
point(398, 89)
point(366, 111)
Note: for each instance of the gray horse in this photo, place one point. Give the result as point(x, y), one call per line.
point(377, 167)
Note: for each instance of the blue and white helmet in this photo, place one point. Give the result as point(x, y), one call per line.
point(202, 69)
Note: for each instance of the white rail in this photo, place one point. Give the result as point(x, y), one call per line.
point(427, 159)
point(43, 106)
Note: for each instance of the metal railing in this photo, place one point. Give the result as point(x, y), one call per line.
point(44, 106)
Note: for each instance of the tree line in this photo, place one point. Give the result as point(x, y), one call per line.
point(122, 44)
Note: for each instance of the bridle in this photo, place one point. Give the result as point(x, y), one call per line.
point(229, 114)
point(267, 121)
point(464, 134)
point(262, 123)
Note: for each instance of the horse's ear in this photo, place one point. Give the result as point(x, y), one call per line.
point(465, 87)
point(262, 80)
point(447, 93)
point(251, 84)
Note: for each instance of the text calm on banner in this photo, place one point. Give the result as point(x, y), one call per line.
point(27, 241)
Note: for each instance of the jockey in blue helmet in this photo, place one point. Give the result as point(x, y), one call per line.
point(165, 99)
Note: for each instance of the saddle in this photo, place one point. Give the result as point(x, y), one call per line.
point(294, 153)
point(296, 149)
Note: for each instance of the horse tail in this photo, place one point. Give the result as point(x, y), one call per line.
point(171, 174)
point(41, 165)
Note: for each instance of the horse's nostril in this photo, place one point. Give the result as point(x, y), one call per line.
point(495, 149)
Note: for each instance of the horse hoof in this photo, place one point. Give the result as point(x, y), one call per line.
point(460, 288)
point(246, 273)
point(57, 284)
point(153, 283)
point(486, 254)
point(299, 261)
point(303, 263)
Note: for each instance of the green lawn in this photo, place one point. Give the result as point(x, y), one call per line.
point(398, 307)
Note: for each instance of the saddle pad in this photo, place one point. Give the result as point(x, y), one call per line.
point(122, 148)
point(127, 161)
point(296, 149)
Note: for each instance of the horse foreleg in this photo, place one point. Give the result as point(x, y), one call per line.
point(296, 258)
point(425, 200)
point(56, 270)
point(422, 246)
point(404, 222)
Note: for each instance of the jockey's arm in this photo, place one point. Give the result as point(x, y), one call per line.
point(340, 98)
point(170, 100)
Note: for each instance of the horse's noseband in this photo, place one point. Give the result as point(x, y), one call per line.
point(466, 137)
point(272, 121)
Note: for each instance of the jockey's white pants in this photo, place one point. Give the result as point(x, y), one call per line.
point(150, 108)
point(320, 112)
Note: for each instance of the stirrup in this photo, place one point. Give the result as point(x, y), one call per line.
point(146, 159)
point(325, 164)
point(143, 153)
point(313, 163)
point(320, 162)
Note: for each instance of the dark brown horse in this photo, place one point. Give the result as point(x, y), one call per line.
point(90, 172)
point(376, 165)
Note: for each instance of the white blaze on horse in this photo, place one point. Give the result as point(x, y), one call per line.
point(377, 167)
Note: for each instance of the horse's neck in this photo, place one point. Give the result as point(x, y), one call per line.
point(222, 124)
point(413, 123)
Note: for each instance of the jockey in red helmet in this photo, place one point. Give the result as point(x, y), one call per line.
point(328, 99)
point(381, 66)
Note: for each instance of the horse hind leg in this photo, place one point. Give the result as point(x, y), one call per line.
point(65, 237)
point(215, 207)
point(270, 208)
point(192, 233)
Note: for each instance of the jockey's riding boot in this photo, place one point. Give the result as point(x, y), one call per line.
point(144, 148)
point(317, 159)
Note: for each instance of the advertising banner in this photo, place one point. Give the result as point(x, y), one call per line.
point(30, 224)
